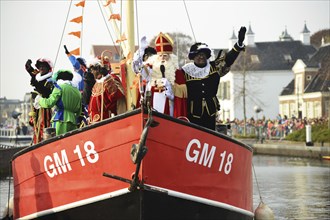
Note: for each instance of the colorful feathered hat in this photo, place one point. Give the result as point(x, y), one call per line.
point(197, 48)
point(44, 61)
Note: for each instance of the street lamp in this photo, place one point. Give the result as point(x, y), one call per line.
point(257, 109)
point(15, 115)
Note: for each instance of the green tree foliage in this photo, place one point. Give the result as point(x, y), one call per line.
point(320, 134)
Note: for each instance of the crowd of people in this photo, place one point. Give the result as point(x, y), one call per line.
point(92, 92)
point(277, 128)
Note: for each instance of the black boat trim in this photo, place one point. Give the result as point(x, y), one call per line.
point(123, 191)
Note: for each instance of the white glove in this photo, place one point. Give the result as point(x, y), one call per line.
point(168, 89)
point(36, 102)
point(144, 44)
point(137, 61)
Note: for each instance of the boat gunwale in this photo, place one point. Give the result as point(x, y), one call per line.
point(124, 115)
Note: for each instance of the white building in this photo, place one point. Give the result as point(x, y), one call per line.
point(308, 93)
point(266, 68)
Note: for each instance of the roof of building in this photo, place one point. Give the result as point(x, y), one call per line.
point(305, 30)
point(4, 100)
point(320, 81)
point(278, 55)
point(97, 50)
point(289, 89)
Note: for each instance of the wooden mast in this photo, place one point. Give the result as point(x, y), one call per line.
point(128, 48)
point(130, 75)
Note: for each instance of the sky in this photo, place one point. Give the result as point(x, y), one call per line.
point(39, 29)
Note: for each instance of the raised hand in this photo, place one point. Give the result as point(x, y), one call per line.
point(241, 35)
point(66, 50)
point(28, 64)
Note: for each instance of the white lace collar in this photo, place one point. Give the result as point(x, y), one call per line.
point(61, 82)
point(192, 70)
point(40, 77)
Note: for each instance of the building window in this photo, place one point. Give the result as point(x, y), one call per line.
point(317, 109)
point(327, 108)
point(298, 85)
point(287, 57)
point(292, 108)
point(310, 110)
point(255, 59)
point(309, 77)
point(225, 90)
point(285, 109)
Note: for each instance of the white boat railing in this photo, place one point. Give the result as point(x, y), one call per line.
point(10, 139)
point(7, 132)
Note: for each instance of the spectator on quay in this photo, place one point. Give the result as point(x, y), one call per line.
point(24, 129)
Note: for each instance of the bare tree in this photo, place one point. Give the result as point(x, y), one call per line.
point(246, 91)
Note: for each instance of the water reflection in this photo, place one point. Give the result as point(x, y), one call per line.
point(294, 188)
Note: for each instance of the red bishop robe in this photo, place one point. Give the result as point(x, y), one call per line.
point(107, 92)
point(180, 95)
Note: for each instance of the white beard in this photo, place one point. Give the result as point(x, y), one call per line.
point(170, 67)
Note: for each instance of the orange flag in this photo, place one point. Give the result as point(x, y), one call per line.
point(76, 33)
point(108, 2)
point(123, 38)
point(115, 16)
point(77, 19)
point(75, 52)
point(135, 83)
point(82, 3)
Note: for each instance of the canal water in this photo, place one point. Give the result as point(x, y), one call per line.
point(294, 188)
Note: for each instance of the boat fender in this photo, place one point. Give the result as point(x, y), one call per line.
point(263, 212)
point(8, 211)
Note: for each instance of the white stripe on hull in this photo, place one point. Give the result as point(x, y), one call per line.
point(125, 191)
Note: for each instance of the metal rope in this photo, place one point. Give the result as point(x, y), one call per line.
point(59, 46)
point(106, 24)
point(137, 24)
point(9, 183)
point(255, 176)
point(121, 28)
point(192, 30)
point(82, 32)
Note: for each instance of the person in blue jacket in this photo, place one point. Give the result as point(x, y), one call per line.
point(84, 82)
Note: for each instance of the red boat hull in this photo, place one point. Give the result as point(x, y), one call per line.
point(187, 168)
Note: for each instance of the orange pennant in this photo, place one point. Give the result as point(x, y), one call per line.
point(108, 2)
point(75, 52)
point(115, 16)
point(123, 38)
point(82, 4)
point(135, 83)
point(77, 19)
point(76, 33)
